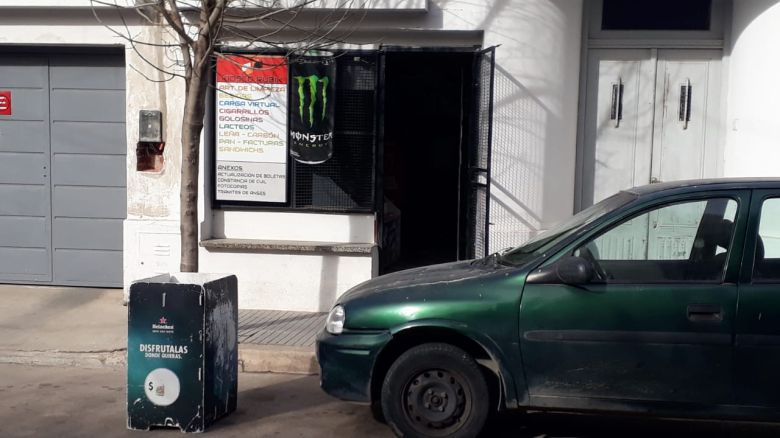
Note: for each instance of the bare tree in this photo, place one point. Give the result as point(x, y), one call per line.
point(194, 31)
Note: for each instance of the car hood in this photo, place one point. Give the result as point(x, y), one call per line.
point(420, 277)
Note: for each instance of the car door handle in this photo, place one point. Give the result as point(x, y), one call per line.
point(705, 312)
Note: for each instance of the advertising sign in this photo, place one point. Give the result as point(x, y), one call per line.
point(313, 77)
point(163, 357)
point(251, 129)
point(5, 103)
point(182, 351)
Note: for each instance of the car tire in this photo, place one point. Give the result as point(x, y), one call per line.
point(435, 390)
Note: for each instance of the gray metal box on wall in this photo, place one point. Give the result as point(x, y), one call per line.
point(182, 351)
point(150, 126)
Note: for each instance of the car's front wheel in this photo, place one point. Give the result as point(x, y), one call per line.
point(435, 390)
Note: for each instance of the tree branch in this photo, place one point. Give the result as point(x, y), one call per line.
point(268, 14)
point(213, 26)
point(173, 17)
point(172, 75)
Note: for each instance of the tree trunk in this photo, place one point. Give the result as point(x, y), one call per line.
point(192, 126)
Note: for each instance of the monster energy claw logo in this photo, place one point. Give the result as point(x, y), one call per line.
point(312, 81)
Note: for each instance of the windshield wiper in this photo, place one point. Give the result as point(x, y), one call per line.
point(497, 258)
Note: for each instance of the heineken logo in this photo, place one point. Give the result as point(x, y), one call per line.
point(311, 85)
point(163, 326)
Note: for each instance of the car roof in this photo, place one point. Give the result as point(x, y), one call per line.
point(696, 185)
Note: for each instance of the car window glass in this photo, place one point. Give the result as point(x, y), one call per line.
point(730, 214)
point(767, 265)
point(686, 241)
point(547, 239)
point(731, 211)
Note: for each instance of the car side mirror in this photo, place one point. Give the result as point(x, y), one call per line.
point(568, 270)
point(574, 270)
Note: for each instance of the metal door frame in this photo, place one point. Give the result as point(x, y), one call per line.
point(474, 171)
point(471, 138)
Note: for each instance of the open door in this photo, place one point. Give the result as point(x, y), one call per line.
point(479, 154)
point(426, 129)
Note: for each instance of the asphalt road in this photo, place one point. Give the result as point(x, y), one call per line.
point(69, 402)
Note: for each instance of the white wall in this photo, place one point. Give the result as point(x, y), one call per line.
point(753, 131)
point(299, 282)
point(307, 227)
point(42, 27)
point(752, 128)
point(534, 142)
point(152, 239)
point(535, 115)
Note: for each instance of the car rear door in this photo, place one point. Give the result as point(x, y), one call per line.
point(757, 342)
point(660, 327)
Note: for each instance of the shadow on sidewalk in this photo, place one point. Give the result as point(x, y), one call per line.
point(299, 405)
point(554, 425)
point(277, 399)
point(48, 302)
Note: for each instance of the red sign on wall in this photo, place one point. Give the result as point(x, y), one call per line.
point(5, 103)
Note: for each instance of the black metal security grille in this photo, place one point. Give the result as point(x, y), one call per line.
point(481, 127)
point(346, 181)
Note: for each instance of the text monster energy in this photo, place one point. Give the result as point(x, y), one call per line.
point(311, 125)
point(313, 81)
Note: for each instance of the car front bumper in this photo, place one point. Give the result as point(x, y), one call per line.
point(347, 362)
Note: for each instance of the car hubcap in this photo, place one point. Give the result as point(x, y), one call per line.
point(435, 400)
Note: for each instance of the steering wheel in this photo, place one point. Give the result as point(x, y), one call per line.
point(587, 254)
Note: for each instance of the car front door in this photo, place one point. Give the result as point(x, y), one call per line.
point(657, 324)
point(757, 342)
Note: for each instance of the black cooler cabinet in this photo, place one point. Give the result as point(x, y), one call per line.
point(182, 351)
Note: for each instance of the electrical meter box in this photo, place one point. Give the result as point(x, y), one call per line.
point(150, 126)
point(182, 351)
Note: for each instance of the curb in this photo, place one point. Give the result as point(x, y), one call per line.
point(277, 359)
point(251, 359)
point(86, 359)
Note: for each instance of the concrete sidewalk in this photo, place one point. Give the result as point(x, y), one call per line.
point(87, 327)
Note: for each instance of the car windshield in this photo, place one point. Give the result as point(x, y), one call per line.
point(549, 238)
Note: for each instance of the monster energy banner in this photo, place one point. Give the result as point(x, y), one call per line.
point(313, 77)
point(251, 131)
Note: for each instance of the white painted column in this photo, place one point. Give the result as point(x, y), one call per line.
point(535, 114)
point(752, 127)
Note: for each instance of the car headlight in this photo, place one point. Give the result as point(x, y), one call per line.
point(335, 322)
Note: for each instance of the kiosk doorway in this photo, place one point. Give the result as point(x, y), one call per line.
point(427, 117)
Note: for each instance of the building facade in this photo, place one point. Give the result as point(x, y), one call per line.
point(460, 129)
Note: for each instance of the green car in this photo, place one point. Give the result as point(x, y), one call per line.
point(660, 300)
